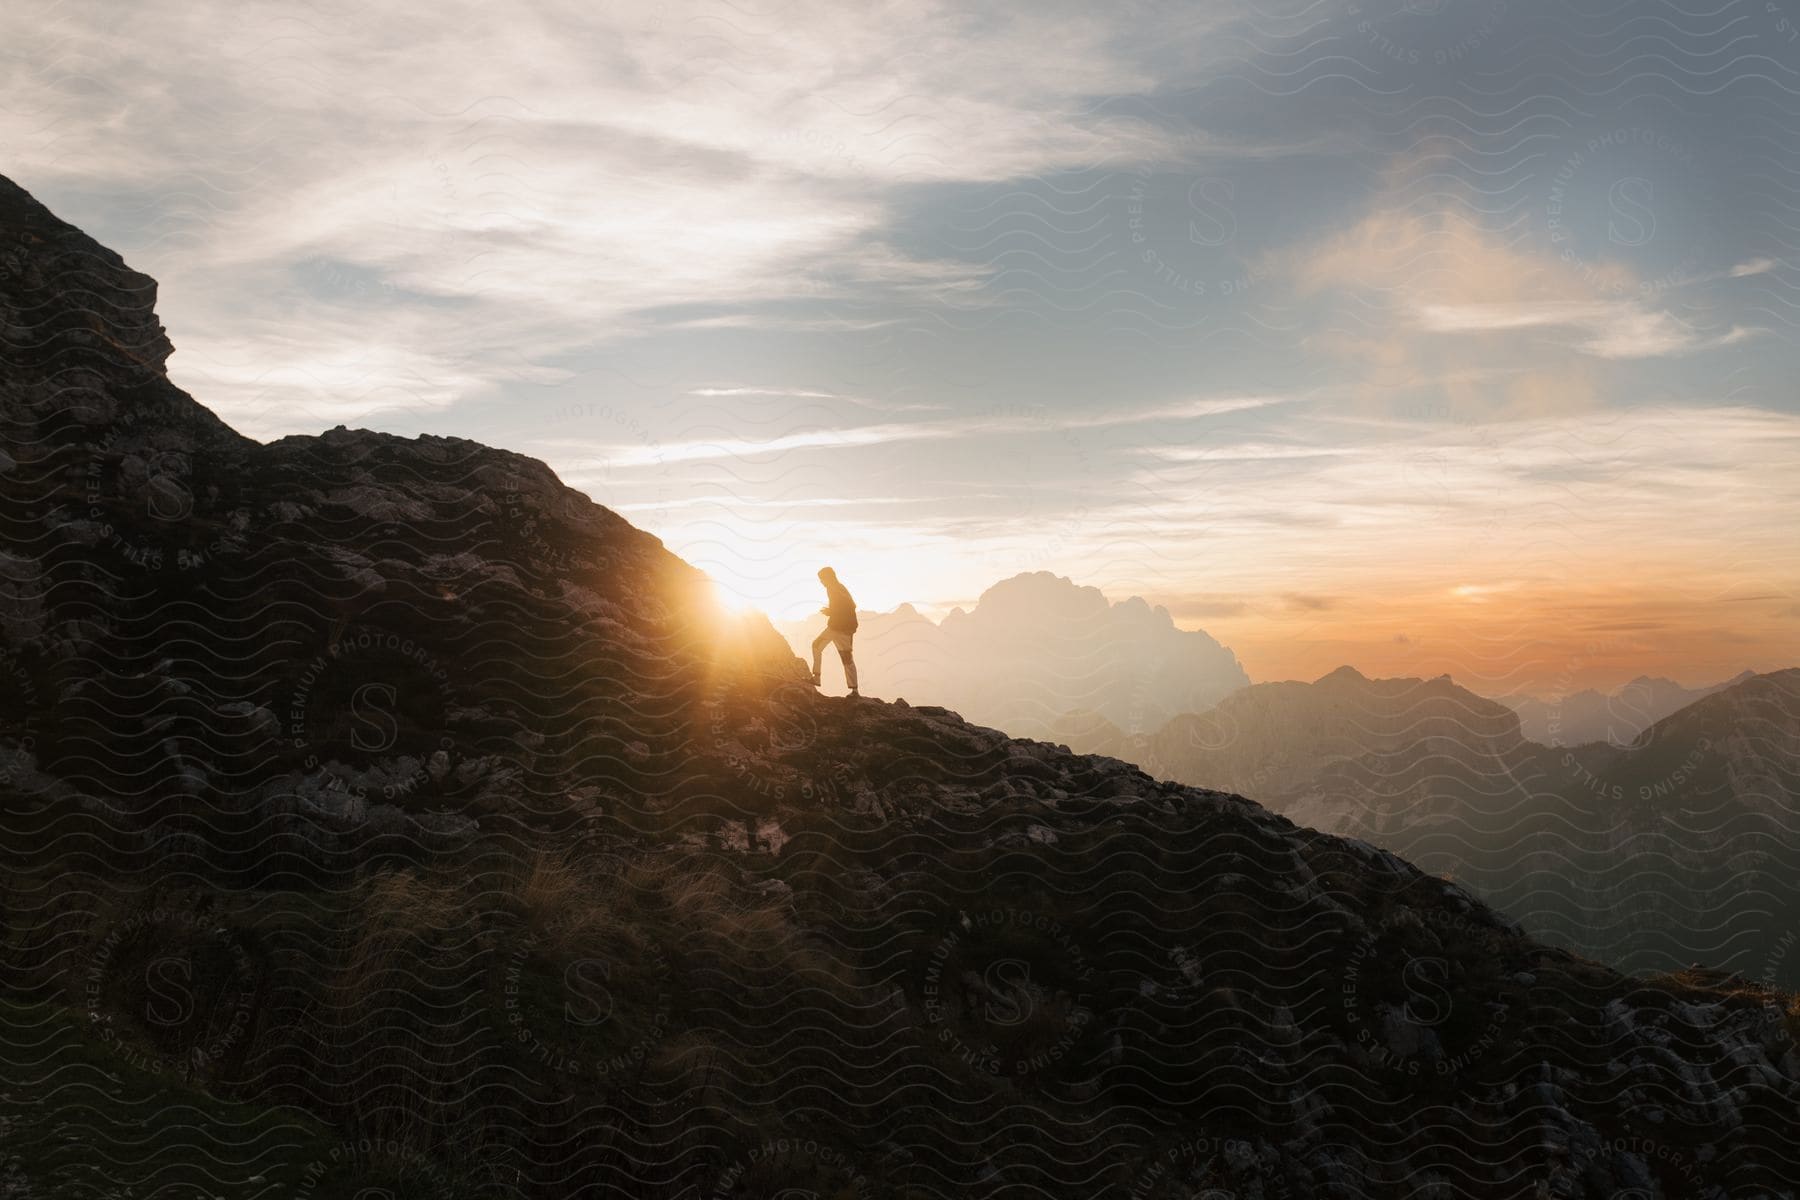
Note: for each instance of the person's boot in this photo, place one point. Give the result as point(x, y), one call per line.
point(815, 679)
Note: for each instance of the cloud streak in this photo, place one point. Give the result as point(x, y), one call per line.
point(1026, 423)
point(1608, 329)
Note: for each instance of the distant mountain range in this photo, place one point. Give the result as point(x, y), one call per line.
point(1040, 655)
point(1035, 647)
point(1616, 717)
point(1681, 846)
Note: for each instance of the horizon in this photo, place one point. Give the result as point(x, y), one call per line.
point(791, 628)
point(1426, 359)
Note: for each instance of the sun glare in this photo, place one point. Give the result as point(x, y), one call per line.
point(730, 599)
point(784, 584)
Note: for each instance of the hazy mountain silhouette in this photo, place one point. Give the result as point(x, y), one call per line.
point(380, 815)
point(1736, 749)
point(1273, 738)
point(1694, 827)
point(1616, 717)
point(1038, 646)
point(1671, 850)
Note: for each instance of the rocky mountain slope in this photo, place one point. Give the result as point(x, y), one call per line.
point(381, 814)
point(1276, 737)
point(1037, 646)
point(1681, 846)
point(1343, 752)
point(1693, 831)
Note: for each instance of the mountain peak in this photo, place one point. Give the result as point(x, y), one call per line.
point(1040, 591)
point(75, 293)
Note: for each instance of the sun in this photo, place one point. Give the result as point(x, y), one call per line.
point(790, 591)
point(731, 599)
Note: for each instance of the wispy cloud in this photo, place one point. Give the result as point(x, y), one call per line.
point(1612, 329)
point(1646, 334)
point(1435, 274)
point(778, 393)
point(1224, 452)
point(1308, 603)
point(1021, 422)
point(519, 183)
point(1703, 482)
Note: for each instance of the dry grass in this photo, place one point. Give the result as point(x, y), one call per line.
point(566, 904)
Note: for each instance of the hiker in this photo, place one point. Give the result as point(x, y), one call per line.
point(840, 627)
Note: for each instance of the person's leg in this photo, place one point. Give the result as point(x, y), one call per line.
point(843, 645)
point(819, 644)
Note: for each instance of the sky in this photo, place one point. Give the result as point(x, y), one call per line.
point(1424, 335)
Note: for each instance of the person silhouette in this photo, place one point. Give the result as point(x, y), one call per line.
point(840, 628)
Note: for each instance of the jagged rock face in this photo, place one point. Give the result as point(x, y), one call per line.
point(426, 828)
point(67, 295)
point(85, 389)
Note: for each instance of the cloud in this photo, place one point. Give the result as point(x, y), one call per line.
point(1534, 495)
point(1025, 421)
point(1612, 329)
point(1302, 602)
point(1435, 274)
point(520, 184)
point(1463, 318)
point(1435, 257)
point(765, 393)
point(1636, 333)
point(1226, 452)
point(1481, 592)
point(1202, 608)
point(797, 393)
point(1756, 266)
